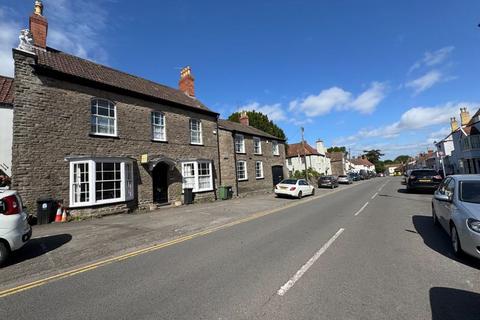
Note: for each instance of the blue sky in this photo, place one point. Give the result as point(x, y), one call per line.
point(365, 74)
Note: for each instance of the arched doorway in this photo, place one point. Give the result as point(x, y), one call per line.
point(160, 182)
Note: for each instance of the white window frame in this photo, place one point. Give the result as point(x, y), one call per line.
point(199, 131)
point(257, 142)
point(275, 148)
point(246, 171)
point(126, 182)
point(159, 115)
point(261, 176)
point(96, 116)
point(196, 176)
point(239, 143)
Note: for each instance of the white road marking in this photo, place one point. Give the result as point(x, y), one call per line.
point(289, 284)
point(376, 194)
point(361, 209)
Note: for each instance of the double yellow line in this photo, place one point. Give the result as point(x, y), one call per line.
point(101, 263)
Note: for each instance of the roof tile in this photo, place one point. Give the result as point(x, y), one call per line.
point(6, 90)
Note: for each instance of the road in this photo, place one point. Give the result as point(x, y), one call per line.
point(336, 257)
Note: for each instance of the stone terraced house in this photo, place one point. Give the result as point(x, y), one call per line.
point(105, 141)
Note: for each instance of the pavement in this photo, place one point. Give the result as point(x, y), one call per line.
point(369, 251)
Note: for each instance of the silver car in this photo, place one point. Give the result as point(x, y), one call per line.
point(456, 207)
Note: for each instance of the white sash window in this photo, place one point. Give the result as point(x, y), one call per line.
point(197, 175)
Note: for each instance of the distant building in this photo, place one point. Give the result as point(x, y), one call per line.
point(362, 163)
point(315, 158)
point(338, 163)
point(465, 157)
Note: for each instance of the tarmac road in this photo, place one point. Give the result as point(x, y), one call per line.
point(336, 257)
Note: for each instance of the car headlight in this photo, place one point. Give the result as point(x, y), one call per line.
point(473, 224)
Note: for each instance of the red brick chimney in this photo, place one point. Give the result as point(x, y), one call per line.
point(39, 26)
point(187, 82)
point(244, 118)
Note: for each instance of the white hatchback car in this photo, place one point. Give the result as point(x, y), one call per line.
point(294, 188)
point(15, 231)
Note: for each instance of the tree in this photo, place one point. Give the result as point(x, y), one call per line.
point(312, 174)
point(260, 121)
point(373, 155)
point(402, 159)
point(387, 162)
point(338, 149)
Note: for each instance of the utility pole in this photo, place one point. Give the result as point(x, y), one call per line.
point(304, 155)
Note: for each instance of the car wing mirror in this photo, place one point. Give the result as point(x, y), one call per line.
point(442, 197)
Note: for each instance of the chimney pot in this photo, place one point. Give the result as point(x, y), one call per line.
point(187, 81)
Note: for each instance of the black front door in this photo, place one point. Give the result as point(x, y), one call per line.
point(277, 174)
point(160, 183)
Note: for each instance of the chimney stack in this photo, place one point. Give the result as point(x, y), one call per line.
point(320, 147)
point(464, 116)
point(453, 124)
point(244, 118)
point(39, 26)
point(187, 82)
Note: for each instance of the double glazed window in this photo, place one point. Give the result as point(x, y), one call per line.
point(239, 143)
point(100, 181)
point(158, 127)
point(275, 150)
point(257, 145)
point(197, 175)
point(242, 170)
point(196, 131)
point(258, 169)
point(103, 118)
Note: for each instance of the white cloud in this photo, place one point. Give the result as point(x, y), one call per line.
point(273, 111)
point(433, 58)
point(426, 81)
point(340, 99)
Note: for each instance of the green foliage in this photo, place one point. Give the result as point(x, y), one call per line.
point(380, 167)
point(312, 174)
point(373, 155)
point(387, 162)
point(260, 121)
point(402, 159)
point(338, 149)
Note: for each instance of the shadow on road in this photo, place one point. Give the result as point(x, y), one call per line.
point(437, 239)
point(404, 190)
point(427, 199)
point(448, 303)
point(39, 246)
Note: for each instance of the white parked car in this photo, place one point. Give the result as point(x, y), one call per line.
point(15, 230)
point(294, 188)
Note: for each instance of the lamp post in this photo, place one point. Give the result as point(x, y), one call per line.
point(304, 155)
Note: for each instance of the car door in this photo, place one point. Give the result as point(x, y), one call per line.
point(443, 207)
point(303, 186)
point(450, 191)
point(437, 204)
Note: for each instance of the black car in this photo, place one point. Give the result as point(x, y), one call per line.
point(328, 181)
point(423, 179)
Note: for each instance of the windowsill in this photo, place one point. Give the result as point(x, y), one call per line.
point(260, 178)
point(160, 141)
point(196, 144)
point(258, 154)
point(98, 204)
point(246, 179)
point(276, 155)
point(97, 135)
point(240, 152)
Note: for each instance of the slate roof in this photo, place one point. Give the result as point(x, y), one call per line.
point(67, 64)
point(295, 149)
point(6, 90)
point(238, 127)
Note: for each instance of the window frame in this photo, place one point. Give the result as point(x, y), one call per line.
point(126, 186)
point(154, 125)
point(275, 148)
point(242, 137)
point(196, 175)
point(255, 141)
point(200, 130)
point(245, 170)
point(115, 118)
point(262, 176)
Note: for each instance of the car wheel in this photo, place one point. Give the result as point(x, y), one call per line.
point(455, 240)
point(434, 216)
point(4, 253)
point(313, 191)
point(300, 195)
point(332, 186)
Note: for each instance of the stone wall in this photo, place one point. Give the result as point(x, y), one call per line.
point(228, 167)
point(52, 122)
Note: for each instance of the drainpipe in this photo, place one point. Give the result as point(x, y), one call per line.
point(218, 151)
point(235, 160)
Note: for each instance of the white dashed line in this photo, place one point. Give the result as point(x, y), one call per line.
point(376, 194)
point(361, 209)
point(287, 286)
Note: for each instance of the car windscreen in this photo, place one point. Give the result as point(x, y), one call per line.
point(289, 181)
point(342, 176)
point(326, 178)
point(424, 173)
point(470, 191)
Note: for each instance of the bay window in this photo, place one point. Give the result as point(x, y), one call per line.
point(100, 181)
point(197, 175)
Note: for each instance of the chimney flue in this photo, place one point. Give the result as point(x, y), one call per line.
point(244, 118)
point(39, 26)
point(453, 124)
point(187, 82)
point(464, 116)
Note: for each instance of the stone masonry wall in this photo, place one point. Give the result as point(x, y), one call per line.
point(228, 166)
point(52, 122)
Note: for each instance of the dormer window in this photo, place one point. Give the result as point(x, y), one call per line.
point(103, 118)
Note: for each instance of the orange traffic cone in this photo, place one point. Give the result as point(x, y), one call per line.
point(58, 216)
point(64, 215)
